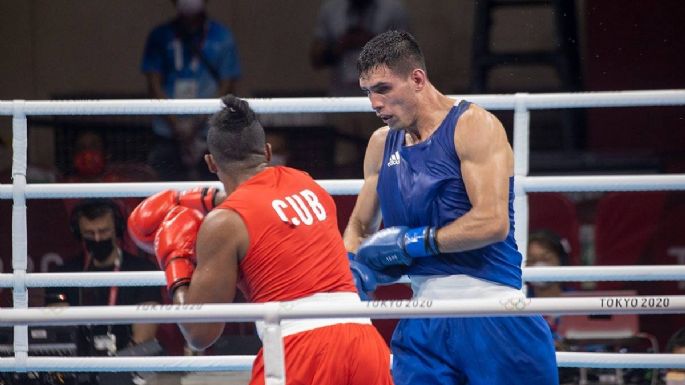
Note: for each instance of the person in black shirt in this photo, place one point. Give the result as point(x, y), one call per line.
point(99, 225)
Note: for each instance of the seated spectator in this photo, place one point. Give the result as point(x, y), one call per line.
point(99, 225)
point(546, 248)
point(91, 162)
point(676, 345)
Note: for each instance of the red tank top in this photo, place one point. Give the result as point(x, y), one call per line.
point(295, 247)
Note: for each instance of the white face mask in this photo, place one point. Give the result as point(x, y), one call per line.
point(190, 7)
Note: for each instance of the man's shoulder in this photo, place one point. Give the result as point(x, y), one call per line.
point(472, 115)
point(379, 136)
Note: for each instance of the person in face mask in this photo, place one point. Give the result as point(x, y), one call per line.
point(546, 248)
point(89, 158)
point(98, 225)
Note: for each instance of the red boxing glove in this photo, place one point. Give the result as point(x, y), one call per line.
point(146, 218)
point(201, 199)
point(175, 245)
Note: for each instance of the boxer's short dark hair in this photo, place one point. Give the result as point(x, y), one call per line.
point(234, 133)
point(398, 50)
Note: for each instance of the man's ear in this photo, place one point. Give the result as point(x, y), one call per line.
point(267, 152)
point(211, 165)
point(419, 79)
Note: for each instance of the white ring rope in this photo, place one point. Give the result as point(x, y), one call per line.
point(353, 104)
point(390, 309)
point(602, 183)
point(130, 364)
point(244, 363)
point(521, 103)
point(530, 274)
point(102, 190)
point(352, 186)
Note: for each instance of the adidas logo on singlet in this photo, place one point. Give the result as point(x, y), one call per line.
point(394, 159)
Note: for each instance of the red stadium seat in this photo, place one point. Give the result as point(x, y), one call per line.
point(555, 212)
point(626, 223)
point(666, 247)
point(638, 228)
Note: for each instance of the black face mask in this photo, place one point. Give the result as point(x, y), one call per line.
point(99, 250)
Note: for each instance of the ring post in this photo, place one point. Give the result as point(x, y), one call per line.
point(521, 169)
point(19, 238)
point(274, 355)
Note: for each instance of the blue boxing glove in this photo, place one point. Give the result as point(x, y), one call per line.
point(396, 246)
point(364, 278)
point(367, 280)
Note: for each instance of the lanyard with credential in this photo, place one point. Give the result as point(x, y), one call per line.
point(114, 290)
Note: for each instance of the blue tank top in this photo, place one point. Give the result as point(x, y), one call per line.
point(421, 185)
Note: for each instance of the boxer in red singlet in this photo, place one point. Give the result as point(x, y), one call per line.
point(275, 237)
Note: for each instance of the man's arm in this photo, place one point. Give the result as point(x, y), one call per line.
point(366, 216)
point(486, 164)
point(143, 332)
point(221, 240)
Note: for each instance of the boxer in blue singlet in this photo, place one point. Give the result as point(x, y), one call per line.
point(440, 176)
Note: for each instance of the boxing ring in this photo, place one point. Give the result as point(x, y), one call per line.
point(21, 316)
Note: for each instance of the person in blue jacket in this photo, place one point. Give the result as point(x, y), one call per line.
point(191, 56)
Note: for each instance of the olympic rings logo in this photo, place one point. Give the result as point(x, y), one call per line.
point(515, 303)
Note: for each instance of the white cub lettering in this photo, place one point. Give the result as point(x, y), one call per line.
point(314, 203)
point(301, 212)
point(278, 206)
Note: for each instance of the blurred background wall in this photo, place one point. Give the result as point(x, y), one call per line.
point(67, 48)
